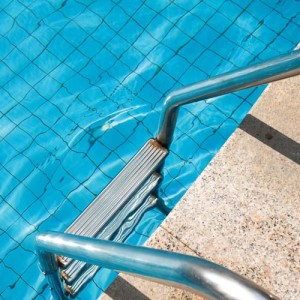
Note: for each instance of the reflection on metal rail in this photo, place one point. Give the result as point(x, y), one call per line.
point(284, 66)
point(203, 277)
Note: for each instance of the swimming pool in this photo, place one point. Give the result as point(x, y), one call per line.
point(82, 84)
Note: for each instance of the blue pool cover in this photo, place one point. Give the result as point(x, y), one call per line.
point(81, 90)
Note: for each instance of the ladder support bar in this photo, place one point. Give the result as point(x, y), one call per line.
point(210, 280)
point(281, 67)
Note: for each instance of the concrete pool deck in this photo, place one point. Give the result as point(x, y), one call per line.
point(243, 212)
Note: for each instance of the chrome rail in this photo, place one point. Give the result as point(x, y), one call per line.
point(284, 66)
point(203, 277)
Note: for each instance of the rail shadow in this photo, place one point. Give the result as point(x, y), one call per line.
point(271, 137)
point(121, 289)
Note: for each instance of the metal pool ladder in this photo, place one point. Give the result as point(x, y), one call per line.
point(113, 214)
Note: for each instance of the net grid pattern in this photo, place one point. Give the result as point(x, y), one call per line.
point(83, 78)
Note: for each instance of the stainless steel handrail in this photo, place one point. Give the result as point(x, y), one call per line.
point(275, 69)
point(210, 280)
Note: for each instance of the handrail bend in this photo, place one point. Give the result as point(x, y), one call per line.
point(284, 66)
point(210, 280)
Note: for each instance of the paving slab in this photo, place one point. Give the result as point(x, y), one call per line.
point(243, 212)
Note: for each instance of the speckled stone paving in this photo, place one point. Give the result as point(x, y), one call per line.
point(243, 212)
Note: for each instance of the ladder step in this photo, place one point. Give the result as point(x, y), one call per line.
point(101, 211)
point(119, 190)
point(125, 230)
point(73, 268)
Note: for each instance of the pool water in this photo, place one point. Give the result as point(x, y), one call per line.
point(81, 90)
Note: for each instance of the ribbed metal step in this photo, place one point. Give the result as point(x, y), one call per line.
point(96, 216)
point(113, 214)
point(73, 269)
point(125, 230)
